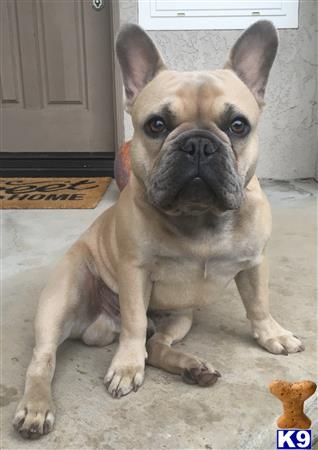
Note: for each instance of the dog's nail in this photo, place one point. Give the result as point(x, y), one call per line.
point(35, 433)
point(19, 424)
point(295, 336)
point(217, 373)
point(187, 377)
point(46, 427)
point(301, 348)
point(207, 379)
point(119, 393)
point(25, 433)
point(284, 351)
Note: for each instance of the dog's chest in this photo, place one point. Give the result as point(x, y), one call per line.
point(189, 278)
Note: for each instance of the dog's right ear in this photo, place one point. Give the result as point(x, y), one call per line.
point(139, 59)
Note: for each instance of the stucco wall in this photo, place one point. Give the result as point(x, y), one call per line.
point(288, 129)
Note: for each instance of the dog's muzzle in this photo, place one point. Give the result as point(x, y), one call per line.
point(196, 169)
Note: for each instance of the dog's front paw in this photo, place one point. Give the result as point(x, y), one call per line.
point(126, 373)
point(34, 417)
point(283, 344)
point(122, 379)
point(274, 338)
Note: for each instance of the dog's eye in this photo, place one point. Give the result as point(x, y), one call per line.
point(156, 125)
point(239, 126)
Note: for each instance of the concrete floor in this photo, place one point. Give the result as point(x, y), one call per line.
point(238, 412)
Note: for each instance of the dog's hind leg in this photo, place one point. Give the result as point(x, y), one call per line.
point(63, 311)
point(162, 355)
point(104, 330)
point(101, 332)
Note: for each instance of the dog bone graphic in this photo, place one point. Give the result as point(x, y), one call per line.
point(293, 396)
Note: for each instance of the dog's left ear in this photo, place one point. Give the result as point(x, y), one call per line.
point(139, 59)
point(252, 56)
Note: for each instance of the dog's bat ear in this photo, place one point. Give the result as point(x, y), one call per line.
point(252, 56)
point(139, 60)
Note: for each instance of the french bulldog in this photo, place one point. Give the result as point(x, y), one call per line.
point(191, 218)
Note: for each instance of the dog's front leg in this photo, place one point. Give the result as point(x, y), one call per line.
point(253, 288)
point(126, 372)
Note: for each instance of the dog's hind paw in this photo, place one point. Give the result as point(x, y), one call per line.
point(203, 374)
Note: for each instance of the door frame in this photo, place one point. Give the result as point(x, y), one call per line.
point(63, 164)
point(118, 104)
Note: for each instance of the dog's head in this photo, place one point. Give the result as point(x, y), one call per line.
point(195, 143)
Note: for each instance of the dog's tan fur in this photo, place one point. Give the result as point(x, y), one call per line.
point(156, 260)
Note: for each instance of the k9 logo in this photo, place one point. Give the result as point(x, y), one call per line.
point(295, 439)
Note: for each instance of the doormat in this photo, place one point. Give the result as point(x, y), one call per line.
point(52, 193)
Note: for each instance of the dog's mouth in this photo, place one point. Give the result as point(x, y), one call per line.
point(195, 192)
point(195, 173)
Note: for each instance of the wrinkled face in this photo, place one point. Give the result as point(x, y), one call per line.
point(195, 142)
point(195, 146)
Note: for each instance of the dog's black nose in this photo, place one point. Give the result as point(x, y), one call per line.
point(199, 147)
